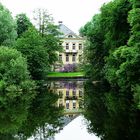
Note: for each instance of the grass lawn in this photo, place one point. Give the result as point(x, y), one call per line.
point(66, 74)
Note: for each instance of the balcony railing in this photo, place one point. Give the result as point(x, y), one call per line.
point(71, 51)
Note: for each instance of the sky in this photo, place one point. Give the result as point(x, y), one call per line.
point(73, 13)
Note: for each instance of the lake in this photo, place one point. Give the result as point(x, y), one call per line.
point(69, 109)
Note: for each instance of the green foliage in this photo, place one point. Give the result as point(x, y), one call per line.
point(31, 45)
point(136, 90)
point(49, 32)
point(94, 51)
point(13, 70)
point(105, 32)
point(7, 27)
point(23, 23)
point(122, 67)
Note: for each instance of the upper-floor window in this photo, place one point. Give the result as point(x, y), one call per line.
point(73, 46)
point(67, 58)
point(67, 46)
point(80, 46)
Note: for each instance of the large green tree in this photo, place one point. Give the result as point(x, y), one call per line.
point(23, 23)
point(122, 67)
point(31, 44)
point(7, 27)
point(105, 32)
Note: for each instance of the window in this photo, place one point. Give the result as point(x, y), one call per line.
point(74, 104)
point(73, 46)
point(74, 92)
point(67, 93)
point(67, 46)
point(60, 57)
point(67, 58)
point(73, 57)
point(80, 46)
point(60, 94)
point(67, 104)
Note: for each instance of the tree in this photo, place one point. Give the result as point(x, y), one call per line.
point(122, 67)
point(105, 32)
point(23, 23)
point(49, 32)
point(31, 45)
point(42, 19)
point(7, 27)
point(42, 114)
point(94, 51)
point(14, 74)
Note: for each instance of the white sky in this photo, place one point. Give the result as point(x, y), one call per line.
point(73, 13)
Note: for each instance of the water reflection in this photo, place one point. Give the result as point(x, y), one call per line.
point(70, 98)
point(39, 115)
point(111, 114)
point(23, 115)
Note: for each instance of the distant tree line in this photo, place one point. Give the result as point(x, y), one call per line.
point(27, 51)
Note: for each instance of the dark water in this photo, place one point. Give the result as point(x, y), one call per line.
point(110, 114)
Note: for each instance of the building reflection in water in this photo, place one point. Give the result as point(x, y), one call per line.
point(70, 97)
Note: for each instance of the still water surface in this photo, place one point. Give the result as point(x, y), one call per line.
point(69, 110)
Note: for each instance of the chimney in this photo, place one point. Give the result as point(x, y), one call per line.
point(60, 22)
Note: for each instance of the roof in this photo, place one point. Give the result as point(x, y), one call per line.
point(66, 31)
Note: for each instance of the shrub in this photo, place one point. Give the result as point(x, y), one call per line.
point(68, 68)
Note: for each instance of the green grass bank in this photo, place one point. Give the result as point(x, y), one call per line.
point(65, 74)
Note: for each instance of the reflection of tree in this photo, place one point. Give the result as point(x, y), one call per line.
point(44, 116)
point(25, 114)
point(7, 137)
point(111, 114)
point(13, 111)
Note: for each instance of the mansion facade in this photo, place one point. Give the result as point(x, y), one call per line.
point(72, 47)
